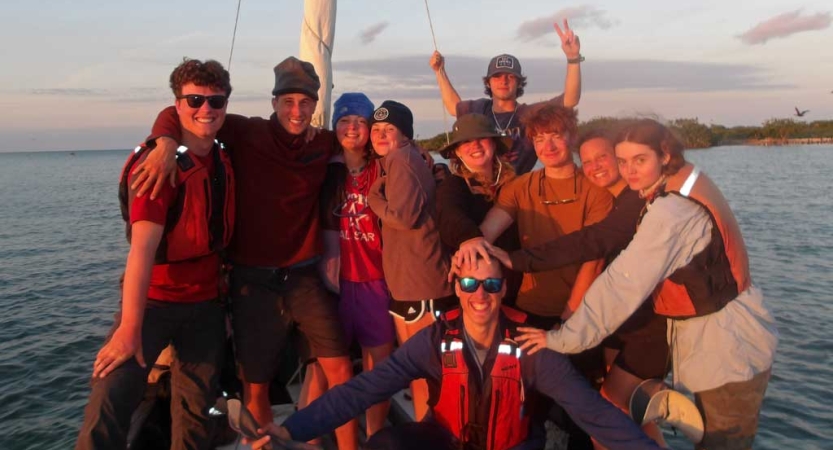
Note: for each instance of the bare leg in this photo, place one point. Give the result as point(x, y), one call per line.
point(376, 414)
point(419, 388)
point(617, 388)
point(315, 384)
point(256, 399)
point(339, 370)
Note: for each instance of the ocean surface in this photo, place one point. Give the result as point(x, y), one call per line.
point(63, 249)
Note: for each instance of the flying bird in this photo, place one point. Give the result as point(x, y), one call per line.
point(800, 113)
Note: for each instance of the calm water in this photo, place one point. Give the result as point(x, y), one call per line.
point(62, 247)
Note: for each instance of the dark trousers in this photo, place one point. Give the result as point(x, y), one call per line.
point(197, 333)
point(428, 435)
point(589, 363)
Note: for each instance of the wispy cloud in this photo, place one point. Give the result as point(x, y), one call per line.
point(408, 77)
point(69, 92)
point(370, 33)
point(784, 25)
point(583, 17)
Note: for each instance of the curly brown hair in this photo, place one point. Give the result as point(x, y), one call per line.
point(550, 118)
point(209, 73)
point(659, 138)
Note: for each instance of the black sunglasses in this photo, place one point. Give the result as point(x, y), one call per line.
point(491, 285)
point(542, 192)
point(196, 100)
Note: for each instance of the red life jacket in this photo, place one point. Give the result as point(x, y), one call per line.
point(201, 220)
point(493, 418)
point(715, 276)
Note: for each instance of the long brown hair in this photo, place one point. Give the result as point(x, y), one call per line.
point(477, 182)
point(659, 138)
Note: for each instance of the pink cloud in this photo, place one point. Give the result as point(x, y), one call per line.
point(784, 25)
point(581, 17)
point(370, 33)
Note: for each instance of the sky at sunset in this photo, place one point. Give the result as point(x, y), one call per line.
point(86, 74)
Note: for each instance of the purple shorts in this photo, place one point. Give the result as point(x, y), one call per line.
point(364, 312)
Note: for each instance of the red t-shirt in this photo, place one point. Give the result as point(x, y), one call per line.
point(361, 236)
point(182, 282)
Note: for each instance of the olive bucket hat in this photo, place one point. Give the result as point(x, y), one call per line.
point(474, 126)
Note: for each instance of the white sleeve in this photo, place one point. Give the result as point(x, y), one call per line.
point(672, 232)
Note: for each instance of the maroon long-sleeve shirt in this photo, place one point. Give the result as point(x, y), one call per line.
point(279, 176)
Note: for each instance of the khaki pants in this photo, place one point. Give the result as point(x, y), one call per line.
point(730, 413)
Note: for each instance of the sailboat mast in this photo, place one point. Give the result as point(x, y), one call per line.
point(317, 35)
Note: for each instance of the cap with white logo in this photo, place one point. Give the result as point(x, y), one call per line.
point(504, 64)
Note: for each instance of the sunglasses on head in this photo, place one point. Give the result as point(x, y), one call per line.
point(196, 100)
point(491, 285)
point(542, 192)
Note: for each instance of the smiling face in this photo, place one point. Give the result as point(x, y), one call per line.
point(352, 132)
point(386, 137)
point(202, 122)
point(294, 111)
point(639, 164)
point(504, 86)
point(477, 154)
point(598, 162)
point(481, 308)
point(552, 150)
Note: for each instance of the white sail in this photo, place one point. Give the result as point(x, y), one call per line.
point(317, 34)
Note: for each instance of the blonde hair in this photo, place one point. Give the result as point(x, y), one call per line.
point(504, 172)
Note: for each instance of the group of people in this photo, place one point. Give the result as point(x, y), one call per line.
point(515, 295)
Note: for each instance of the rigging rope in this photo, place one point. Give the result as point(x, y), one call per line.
point(233, 36)
point(445, 115)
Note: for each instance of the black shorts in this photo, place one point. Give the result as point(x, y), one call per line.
point(412, 311)
point(643, 351)
point(265, 306)
point(643, 357)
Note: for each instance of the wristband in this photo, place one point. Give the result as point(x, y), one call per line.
point(575, 60)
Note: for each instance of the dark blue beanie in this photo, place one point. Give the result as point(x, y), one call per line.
point(397, 114)
point(352, 103)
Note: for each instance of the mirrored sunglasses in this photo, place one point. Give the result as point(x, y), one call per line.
point(491, 285)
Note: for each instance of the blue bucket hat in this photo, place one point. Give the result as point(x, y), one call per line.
point(352, 103)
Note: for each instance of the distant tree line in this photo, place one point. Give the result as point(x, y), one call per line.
point(697, 135)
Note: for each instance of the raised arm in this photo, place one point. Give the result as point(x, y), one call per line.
point(571, 46)
point(450, 96)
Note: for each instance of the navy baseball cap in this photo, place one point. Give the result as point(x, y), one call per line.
point(504, 64)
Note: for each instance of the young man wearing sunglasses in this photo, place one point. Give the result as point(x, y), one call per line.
point(170, 292)
point(275, 285)
point(482, 386)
